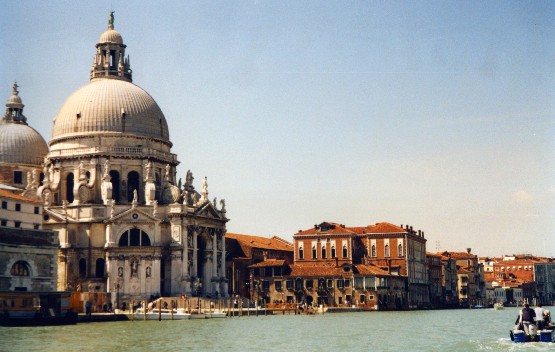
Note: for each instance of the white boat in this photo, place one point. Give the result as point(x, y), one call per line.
point(498, 306)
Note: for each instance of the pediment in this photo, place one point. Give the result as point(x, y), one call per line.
point(209, 211)
point(133, 215)
point(55, 216)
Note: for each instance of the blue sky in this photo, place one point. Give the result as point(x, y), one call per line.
point(435, 114)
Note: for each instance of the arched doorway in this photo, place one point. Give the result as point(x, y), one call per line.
point(133, 183)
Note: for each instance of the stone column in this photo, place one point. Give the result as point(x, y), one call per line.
point(223, 286)
point(185, 241)
point(195, 253)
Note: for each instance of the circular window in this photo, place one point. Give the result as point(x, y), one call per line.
point(46, 217)
point(135, 216)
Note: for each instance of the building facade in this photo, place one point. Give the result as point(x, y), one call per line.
point(125, 225)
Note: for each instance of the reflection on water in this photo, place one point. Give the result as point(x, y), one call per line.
point(440, 330)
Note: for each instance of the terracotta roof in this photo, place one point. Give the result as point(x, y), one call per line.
point(384, 227)
point(369, 269)
point(268, 263)
point(317, 270)
point(462, 271)
point(274, 243)
point(461, 255)
point(8, 194)
point(437, 255)
point(337, 229)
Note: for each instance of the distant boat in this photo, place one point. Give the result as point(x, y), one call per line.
point(479, 306)
point(36, 309)
point(498, 306)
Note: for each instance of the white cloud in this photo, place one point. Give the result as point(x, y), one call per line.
point(523, 197)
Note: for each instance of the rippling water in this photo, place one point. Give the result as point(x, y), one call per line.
point(440, 330)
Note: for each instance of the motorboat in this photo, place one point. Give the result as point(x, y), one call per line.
point(36, 309)
point(545, 335)
point(498, 306)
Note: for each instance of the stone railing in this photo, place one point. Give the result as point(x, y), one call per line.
point(142, 151)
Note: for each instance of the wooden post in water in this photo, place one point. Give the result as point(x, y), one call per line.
point(159, 306)
point(144, 309)
point(171, 308)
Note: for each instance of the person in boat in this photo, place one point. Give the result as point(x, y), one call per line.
point(539, 316)
point(526, 318)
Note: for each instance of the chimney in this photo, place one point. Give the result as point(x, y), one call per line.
point(468, 250)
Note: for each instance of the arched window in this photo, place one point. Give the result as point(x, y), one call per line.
point(114, 175)
point(373, 250)
point(324, 252)
point(133, 183)
point(344, 251)
point(301, 252)
point(386, 250)
point(313, 252)
point(69, 187)
point(400, 249)
point(100, 268)
point(333, 251)
point(82, 268)
point(20, 268)
point(134, 238)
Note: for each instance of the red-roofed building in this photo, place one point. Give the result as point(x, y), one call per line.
point(268, 255)
point(19, 211)
point(471, 284)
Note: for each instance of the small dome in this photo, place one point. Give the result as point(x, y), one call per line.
point(110, 105)
point(14, 101)
point(111, 36)
point(21, 144)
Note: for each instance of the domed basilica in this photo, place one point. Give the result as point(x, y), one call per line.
point(109, 189)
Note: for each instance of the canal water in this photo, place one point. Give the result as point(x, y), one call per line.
point(438, 330)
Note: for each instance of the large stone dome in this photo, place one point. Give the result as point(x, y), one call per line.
point(20, 144)
point(107, 105)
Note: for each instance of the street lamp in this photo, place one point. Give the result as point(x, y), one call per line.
point(199, 291)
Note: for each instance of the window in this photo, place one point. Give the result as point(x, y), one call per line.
point(323, 252)
point(362, 299)
point(386, 250)
point(333, 251)
point(330, 283)
point(400, 250)
point(301, 252)
point(17, 207)
point(289, 285)
point(36, 210)
point(20, 268)
point(82, 268)
point(309, 284)
point(347, 283)
point(17, 224)
point(4, 204)
point(278, 285)
point(3, 222)
point(36, 226)
point(18, 177)
point(69, 187)
point(373, 250)
point(277, 271)
point(345, 251)
point(266, 285)
point(340, 284)
point(100, 268)
point(340, 300)
point(134, 238)
point(313, 252)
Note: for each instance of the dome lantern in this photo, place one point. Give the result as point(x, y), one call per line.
point(109, 60)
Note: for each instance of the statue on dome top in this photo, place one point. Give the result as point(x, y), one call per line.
point(111, 19)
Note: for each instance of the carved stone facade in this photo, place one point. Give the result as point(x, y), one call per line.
point(110, 189)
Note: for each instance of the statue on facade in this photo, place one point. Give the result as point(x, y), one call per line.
point(189, 179)
point(154, 208)
point(148, 271)
point(135, 198)
point(134, 268)
point(222, 203)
